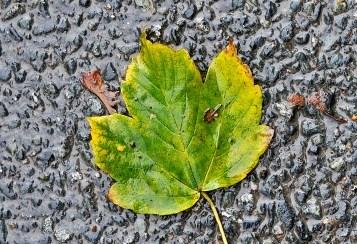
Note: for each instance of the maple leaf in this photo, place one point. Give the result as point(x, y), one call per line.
point(183, 137)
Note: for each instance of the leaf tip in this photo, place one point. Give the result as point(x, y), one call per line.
point(231, 48)
point(91, 121)
point(111, 196)
point(143, 39)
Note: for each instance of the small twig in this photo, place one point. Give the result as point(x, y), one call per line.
point(339, 120)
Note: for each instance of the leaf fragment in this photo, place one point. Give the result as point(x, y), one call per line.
point(93, 82)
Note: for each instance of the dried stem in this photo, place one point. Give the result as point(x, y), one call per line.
point(339, 120)
point(216, 216)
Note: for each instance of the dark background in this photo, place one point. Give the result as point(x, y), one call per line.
point(304, 189)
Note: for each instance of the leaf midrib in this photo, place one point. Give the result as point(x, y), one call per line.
point(220, 125)
point(178, 129)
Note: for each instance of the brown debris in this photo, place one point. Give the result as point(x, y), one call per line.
point(354, 118)
point(211, 114)
point(93, 82)
point(94, 228)
point(297, 100)
point(315, 99)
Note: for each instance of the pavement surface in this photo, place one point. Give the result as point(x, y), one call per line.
point(304, 189)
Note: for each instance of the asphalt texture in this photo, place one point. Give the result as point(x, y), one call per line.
point(304, 189)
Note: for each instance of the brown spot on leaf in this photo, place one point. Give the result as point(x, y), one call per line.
point(93, 82)
point(121, 148)
point(211, 114)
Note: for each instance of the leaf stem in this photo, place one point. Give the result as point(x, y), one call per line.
point(216, 216)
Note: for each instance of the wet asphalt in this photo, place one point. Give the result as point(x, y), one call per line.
point(304, 189)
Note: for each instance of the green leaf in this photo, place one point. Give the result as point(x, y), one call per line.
point(183, 136)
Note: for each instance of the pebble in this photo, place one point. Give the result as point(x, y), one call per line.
point(63, 25)
point(312, 207)
point(300, 196)
point(284, 109)
point(271, 10)
point(76, 176)
point(251, 223)
point(295, 5)
point(238, 4)
point(340, 6)
point(190, 11)
point(302, 231)
point(26, 22)
point(337, 164)
point(14, 34)
point(109, 72)
point(71, 66)
point(278, 231)
point(47, 225)
point(95, 106)
point(44, 28)
point(268, 50)
point(62, 235)
point(203, 25)
point(310, 127)
point(20, 76)
point(342, 212)
point(287, 32)
point(51, 90)
point(285, 214)
point(248, 201)
point(3, 110)
point(85, 3)
point(5, 74)
point(15, 10)
point(147, 5)
point(302, 38)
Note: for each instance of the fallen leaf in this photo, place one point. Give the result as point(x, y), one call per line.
point(178, 156)
point(93, 82)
